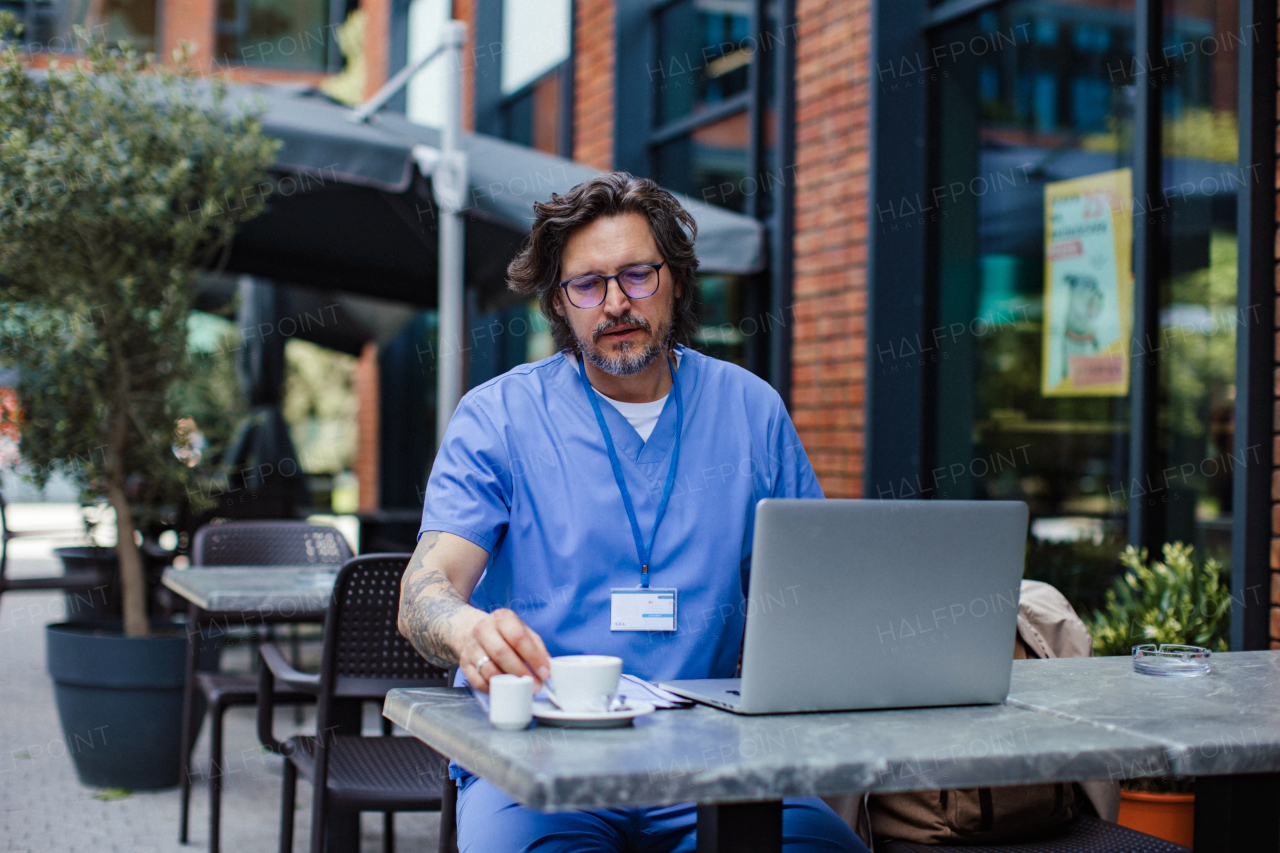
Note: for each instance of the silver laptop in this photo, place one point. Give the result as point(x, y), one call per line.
point(860, 604)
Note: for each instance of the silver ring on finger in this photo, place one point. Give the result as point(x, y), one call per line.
point(480, 665)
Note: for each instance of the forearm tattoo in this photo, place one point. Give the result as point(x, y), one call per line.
point(428, 603)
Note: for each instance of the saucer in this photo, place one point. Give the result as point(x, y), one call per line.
point(549, 715)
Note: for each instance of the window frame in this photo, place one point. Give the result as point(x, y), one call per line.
point(564, 131)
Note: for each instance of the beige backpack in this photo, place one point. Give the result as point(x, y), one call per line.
point(1048, 627)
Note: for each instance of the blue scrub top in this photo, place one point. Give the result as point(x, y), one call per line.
point(523, 473)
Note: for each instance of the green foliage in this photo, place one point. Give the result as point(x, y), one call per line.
point(1171, 601)
point(120, 179)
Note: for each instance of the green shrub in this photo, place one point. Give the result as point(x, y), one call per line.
point(1177, 600)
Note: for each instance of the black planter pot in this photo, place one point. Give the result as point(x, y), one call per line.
point(120, 702)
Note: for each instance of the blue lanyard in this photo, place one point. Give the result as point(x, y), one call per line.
point(643, 552)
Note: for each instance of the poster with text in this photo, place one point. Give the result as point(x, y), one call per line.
point(1088, 286)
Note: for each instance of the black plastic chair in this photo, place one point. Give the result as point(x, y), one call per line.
point(1085, 834)
point(364, 656)
point(240, 543)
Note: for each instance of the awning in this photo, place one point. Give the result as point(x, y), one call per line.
point(350, 207)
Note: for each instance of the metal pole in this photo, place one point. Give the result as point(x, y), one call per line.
point(449, 185)
point(396, 83)
point(1146, 526)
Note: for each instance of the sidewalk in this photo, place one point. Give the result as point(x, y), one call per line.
point(44, 808)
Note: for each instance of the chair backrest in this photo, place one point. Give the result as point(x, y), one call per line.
point(268, 543)
point(364, 653)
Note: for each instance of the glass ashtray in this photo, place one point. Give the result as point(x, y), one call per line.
point(1169, 659)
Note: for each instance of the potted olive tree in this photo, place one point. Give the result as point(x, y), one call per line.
point(1174, 600)
point(115, 173)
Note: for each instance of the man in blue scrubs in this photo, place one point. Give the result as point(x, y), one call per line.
point(625, 460)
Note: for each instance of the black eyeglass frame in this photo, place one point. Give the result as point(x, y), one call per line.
point(657, 268)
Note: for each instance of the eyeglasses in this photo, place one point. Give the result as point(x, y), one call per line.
point(637, 282)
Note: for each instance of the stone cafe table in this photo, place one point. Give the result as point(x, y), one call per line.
point(1064, 720)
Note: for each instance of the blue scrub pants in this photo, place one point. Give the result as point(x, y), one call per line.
point(491, 822)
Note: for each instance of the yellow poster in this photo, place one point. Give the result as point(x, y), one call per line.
point(1088, 286)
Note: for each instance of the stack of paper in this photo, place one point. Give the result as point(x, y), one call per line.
point(637, 688)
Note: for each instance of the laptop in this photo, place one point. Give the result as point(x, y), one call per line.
point(863, 604)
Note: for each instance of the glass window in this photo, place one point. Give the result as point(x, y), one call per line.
point(1034, 279)
point(704, 48)
point(533, 117)
point(424, 94)
point(49, 23)
point(710, 163)
point(535, 39)
point(1198, 316)
point(1033, 337)
point(724, 331)
point(703, 144)
point(279, 33)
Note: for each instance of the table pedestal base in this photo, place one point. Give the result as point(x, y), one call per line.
point(1238, 814)
point(740, 828)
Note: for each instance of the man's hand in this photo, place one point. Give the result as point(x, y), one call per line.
point(446, 630)
point(500, 642)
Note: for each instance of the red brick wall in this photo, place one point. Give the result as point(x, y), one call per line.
point(593, 83)
point(830, 282)
point(187, 20)
point(465, 10)
point(367, 426)
point(377, 44)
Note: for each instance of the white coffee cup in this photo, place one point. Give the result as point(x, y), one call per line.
point(510, 701)
point(584, 683)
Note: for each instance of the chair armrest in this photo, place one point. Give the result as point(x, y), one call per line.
point(284, 672)
point(273, 666)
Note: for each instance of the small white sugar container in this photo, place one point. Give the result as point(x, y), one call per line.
point(510, 701)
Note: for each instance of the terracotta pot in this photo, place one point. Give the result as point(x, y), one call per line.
point(1167, 816)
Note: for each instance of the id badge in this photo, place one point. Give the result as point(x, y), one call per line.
point(640, 609)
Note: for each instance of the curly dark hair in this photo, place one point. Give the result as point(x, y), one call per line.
point(535, 271)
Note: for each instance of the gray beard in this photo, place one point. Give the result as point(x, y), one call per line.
point(629, 360)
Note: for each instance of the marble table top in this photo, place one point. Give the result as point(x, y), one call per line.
point(281, 591)
point(1065, 720)
point(1223, 723)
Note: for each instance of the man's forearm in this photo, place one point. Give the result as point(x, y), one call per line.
point(430, 607)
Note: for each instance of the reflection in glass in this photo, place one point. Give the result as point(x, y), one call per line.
point(704, 48)
point(1198, 317)
point(724, 330)
point(50, 25)
point(283, 33)
point(1043, 94)
point(710, 163)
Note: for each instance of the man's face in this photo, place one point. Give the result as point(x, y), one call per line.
point(621, 335)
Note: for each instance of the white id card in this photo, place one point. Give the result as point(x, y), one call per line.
point(639, 609)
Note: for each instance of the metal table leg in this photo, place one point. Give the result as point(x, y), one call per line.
point(190, 726)
point(741, 828)
point(1238, 814)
